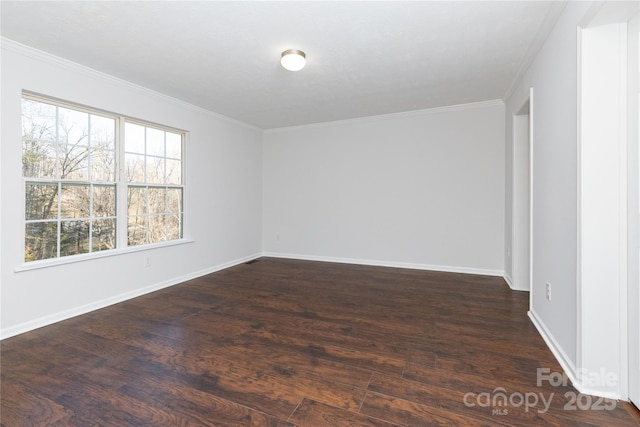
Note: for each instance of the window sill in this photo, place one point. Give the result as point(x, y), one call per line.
point(36, 265)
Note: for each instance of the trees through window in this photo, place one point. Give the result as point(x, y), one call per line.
point(79, 168)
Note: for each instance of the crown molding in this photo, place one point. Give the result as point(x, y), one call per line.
point(39, 55)
point(376, 118)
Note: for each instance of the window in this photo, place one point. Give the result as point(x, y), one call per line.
point(154, 173)
point(96, 181)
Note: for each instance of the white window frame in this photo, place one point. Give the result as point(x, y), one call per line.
point(121, 214)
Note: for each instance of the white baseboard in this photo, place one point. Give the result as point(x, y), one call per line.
point(83, 309)
point(393, 264)
point(507, 279)
point(567, 365)
point(593, 392)
point(557, 351)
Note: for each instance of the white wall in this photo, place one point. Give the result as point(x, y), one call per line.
point(553, 76)
point(520, 251)
point(602, 257)
point(422, 189)
point(508, 205)
point(633, 207)
point(223, 196)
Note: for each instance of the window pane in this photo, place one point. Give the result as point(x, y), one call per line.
point(104, 200)
point(157, 229)
point(133, 138)
point(103, 132)
point(38, 121)
point(75, 201)
point(174, 172)
point(40, 241)
point(137, 201)
point(74, 237)
point(103, 235)
point(73, 127)
point(174, 198)
point(137, 230)
point(38, 159)
point(71, 160)
point(157, 200)
point(174, 145)
point(103, 165)
point(174, 226)
point(155, 142)
point(74, 162)
point(155, 170)
point(41, 201)
point(134, 167)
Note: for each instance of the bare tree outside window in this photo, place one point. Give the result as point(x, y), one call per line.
point(70, 160)
point(153, 160)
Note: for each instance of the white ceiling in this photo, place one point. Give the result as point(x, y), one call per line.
point(363, 58)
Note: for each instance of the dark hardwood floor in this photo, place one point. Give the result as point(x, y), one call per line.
point(281, 342)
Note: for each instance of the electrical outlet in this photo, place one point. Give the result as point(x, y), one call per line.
point(147, 261)
point(548, 291)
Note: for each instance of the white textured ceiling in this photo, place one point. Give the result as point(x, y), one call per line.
point(363, 58)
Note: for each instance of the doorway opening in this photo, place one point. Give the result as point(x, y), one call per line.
point(521, 214)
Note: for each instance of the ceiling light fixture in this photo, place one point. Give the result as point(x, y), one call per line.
point(293, 59)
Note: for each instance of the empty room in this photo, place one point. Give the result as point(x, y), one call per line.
point(323, 213)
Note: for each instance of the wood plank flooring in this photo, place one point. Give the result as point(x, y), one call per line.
point(297, 343)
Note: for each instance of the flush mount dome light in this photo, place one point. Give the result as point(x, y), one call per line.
point(293, 59)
